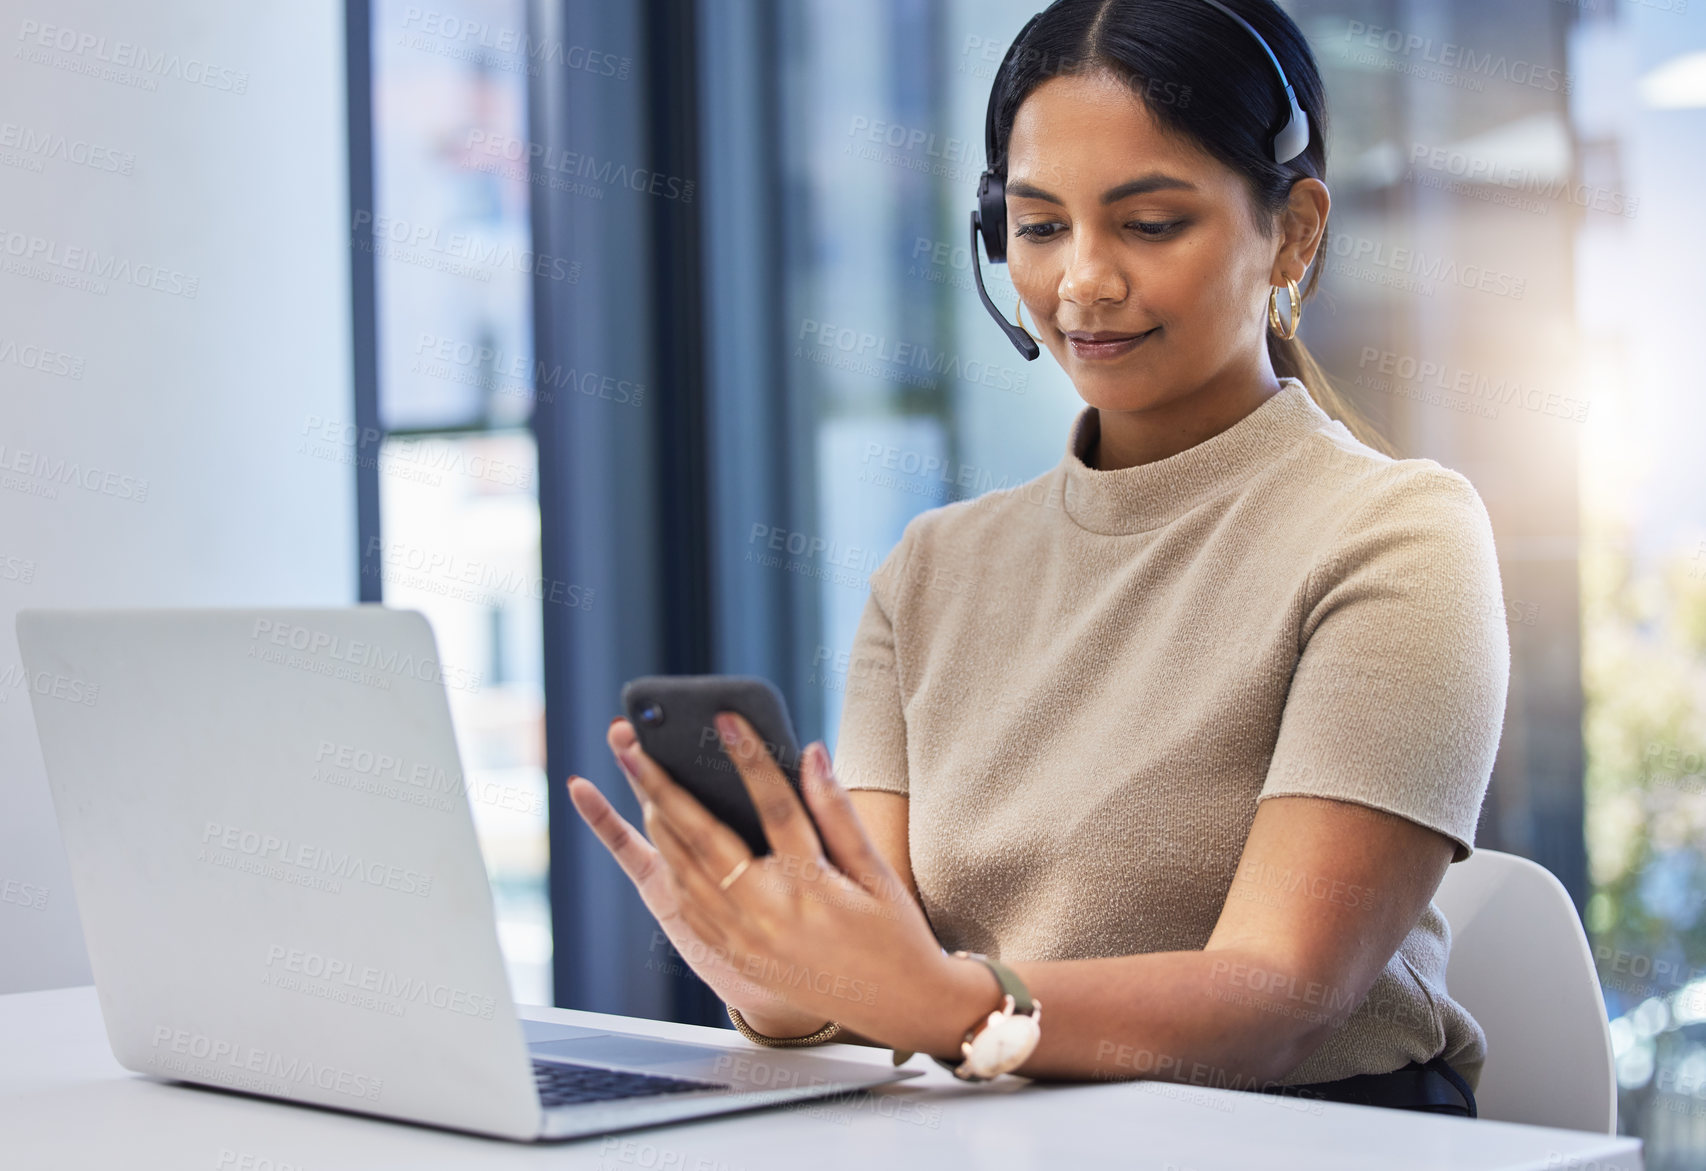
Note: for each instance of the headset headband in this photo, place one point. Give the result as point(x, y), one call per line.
point(1290, 141)
point(1000, 72)
point(1293, 137)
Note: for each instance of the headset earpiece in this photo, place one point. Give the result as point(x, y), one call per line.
point(991, 215)
point(989, 220)
point(1293, 138)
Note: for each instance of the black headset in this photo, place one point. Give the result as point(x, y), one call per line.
point(989, 219)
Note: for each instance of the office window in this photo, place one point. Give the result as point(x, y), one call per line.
point(1636, 98)
point(918, 399)
point(459, 515)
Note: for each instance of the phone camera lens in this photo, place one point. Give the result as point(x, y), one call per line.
point(651, 715)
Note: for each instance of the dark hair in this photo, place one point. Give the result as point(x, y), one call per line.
point(1206, 80)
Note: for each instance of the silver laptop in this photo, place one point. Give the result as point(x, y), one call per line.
point(272, 904)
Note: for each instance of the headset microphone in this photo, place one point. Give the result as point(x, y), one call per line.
point(989, 219)
point(1026, 344)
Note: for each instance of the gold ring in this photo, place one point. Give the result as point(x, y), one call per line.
point(740, 869)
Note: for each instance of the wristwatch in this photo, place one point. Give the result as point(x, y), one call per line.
point(1006, 1038)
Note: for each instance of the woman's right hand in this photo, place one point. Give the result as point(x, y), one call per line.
point(652, 877)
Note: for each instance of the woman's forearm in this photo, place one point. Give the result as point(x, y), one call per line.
point(1225, 1018)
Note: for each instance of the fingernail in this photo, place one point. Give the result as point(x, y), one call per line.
point(728, 728)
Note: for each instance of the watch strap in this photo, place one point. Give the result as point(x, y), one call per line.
point(1011, 985)
point(1010, 982)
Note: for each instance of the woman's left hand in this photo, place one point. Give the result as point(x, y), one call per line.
point(823, 922)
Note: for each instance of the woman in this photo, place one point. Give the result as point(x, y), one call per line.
point(1184, 731)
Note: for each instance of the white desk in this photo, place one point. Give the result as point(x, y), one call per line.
point(66, 1104)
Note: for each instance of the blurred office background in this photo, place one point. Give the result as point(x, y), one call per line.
point(589, 330)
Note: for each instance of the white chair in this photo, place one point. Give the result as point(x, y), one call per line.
point(1521, 964)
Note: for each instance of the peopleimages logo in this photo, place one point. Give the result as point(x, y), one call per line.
point(23, 894)
point(1447, 55)
point(50, 684)
point(469, 579)
point(1416, 269)
point(205, 1056)
point(88, 269)
point(1486, 169)
point(369, 656)
point(476, 40)
point(905, 361)
point(39, 145)
point(42, 359)
point(153, 64)
point(1475, 387)
point(339, 864)
point(912, 148)
point(463, 253)
point(349, 766)
point(910, 138)
point(37, 474)
point(542, 160)
point(490, 365)
point(380, 982)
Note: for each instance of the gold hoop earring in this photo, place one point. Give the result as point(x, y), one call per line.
point(1296, 310)
point(1019, 316)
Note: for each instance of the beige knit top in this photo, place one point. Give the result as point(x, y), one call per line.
point(1086, 683)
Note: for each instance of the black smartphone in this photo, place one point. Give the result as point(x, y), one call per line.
point(674, 717)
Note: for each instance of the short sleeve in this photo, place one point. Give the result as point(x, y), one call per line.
point(1398, 698)
point(870, 751)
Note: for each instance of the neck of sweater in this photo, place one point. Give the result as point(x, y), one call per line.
point(1147, 496)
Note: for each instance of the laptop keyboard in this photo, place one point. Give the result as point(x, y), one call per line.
point(566, 1085)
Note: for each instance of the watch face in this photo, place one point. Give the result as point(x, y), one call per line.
point(1004, 1044)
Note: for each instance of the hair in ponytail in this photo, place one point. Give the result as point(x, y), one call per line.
point(1212, 88)
point(1292, 359)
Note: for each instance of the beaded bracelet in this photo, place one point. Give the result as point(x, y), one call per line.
point(747, 1031)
